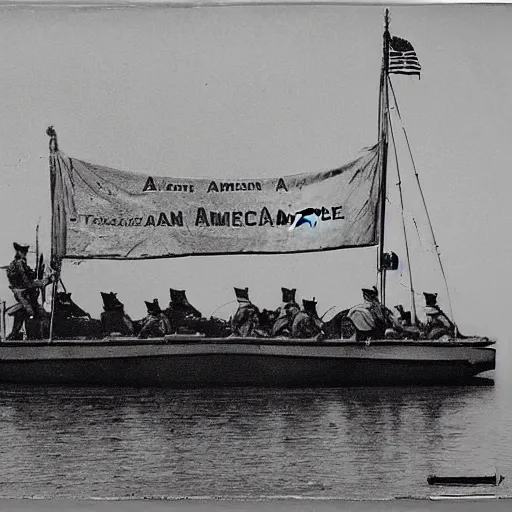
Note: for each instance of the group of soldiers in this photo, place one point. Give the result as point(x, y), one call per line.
point(369, 320)
point(180, 317)
point(288, 320)
point(372, 320)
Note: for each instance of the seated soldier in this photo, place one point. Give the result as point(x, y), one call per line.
point(267, 319)
point(408, 329)
point(438, 323)
point(66, 308)
point(286, 313)
point(186, 319)
point(339, 326)
point(113, 318)
point(371, 319)
point(306, 323)
point(71, 321)
point(181, 314)
point(156, 324)
point(245, 321)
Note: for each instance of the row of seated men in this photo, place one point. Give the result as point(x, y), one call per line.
point(369, 320)
point(179, 317)
point(183, 318)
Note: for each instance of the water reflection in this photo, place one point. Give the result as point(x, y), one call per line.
point(240, 442)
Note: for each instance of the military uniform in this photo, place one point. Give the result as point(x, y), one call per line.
point(438, 324)
point(25, 288)
point(156, 324)
point(371, 319)
point(286, 313)
point(113, 318)
point(306, 323)
point(181, 314)
point(245, 321)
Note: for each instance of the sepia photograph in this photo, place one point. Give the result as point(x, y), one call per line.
point(255, 257)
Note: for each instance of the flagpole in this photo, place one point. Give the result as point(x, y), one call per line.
point(383, 138)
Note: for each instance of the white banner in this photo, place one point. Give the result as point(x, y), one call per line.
point(100, 212)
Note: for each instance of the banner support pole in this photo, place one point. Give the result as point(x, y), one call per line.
point(55, 257)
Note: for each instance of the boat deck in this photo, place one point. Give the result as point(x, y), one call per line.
point(192, 338)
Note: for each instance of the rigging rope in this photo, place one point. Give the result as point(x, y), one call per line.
point(418, 294)
point(419, 236)
point(411, 218)
point(424, 205)
point(215, 311)
point(399, 184)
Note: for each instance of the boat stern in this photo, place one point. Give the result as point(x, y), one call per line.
point(482, 360)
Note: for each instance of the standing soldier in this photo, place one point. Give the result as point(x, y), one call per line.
point(25, 287)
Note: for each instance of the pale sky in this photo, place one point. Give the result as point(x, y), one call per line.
point(261, 92)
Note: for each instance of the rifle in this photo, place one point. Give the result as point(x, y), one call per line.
point(40, 266)
point(37, 249)
point(40, 275)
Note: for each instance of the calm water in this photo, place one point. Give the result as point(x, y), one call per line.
point(352, 443)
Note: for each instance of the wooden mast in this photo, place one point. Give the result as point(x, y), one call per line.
point(383, 156)
point(54, 258)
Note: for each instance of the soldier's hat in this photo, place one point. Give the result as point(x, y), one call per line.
point(430, 299)
point(179, 301)
point(20, 248)
point(153, 307)
point(242, 294)
point(108, 297)
point(370, 293)
point(288, 295)
point(110, 301)
point(178, 296)
point(310, 306)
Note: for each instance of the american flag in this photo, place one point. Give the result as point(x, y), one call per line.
point(402, 58)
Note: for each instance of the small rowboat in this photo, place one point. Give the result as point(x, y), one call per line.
point(495, 479)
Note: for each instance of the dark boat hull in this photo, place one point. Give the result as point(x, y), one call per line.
point(465, 480)
point(193, 363)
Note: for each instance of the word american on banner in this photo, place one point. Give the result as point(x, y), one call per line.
point(99, 212)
